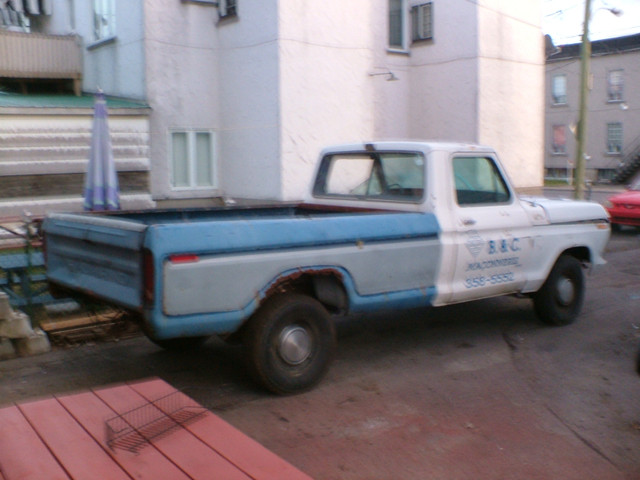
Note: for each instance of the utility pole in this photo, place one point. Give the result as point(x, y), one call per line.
point(585, 58)
point(585, 72)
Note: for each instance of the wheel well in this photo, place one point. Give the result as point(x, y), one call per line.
point(581, 253)
point(324, 285)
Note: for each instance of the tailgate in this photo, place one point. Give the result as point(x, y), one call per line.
point(96, 256)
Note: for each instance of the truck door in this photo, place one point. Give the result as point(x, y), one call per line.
point(492, 231)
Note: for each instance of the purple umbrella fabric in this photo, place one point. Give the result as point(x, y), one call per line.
point(101, 182)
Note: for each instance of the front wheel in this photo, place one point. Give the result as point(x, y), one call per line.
point(290, 343)
point(559, 301)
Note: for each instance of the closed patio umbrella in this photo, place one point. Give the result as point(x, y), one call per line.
point(101, 181)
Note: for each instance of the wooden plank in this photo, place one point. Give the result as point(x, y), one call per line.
point(74, 448)
point(244, 452)
point(22, 454)
point(91, 412)
point(19, 186)
point(194, 457)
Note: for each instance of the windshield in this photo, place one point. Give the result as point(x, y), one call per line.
point(372, 176)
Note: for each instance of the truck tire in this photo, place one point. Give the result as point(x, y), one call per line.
point(559, 301)
point(289, 343)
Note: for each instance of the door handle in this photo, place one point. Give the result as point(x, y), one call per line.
point(467, 222)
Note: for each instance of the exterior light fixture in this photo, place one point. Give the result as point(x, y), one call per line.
point(391, 76)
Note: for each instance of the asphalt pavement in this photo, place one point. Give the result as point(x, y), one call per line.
point(479, 390)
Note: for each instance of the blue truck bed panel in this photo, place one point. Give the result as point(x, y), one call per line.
point(102, 256)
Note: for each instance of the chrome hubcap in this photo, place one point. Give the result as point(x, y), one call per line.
point(566, 291)
point(294, 345)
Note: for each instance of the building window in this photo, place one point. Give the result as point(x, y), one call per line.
point(104, 19)
point(615, 86)
point(422, 22)
point(397, 21)
point(559, 89)
point(559, 144)
point(606, 174)
point(557, 173)
point(192, 159)
point(614, 137)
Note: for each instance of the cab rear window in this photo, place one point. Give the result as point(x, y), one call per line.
point(391, 176)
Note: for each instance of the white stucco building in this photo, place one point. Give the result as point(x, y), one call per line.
point(244, 95)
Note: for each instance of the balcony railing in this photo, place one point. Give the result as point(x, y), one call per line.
point(32, 55)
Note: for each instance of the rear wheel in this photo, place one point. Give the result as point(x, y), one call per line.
point(559, 301)
point(289, 343)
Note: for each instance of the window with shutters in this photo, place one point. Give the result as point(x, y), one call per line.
point(422, 22)
point(227, 8)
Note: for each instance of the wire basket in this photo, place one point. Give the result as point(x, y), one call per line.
point(136, 428)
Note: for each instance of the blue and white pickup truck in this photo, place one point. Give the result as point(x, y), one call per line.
point(387, 225)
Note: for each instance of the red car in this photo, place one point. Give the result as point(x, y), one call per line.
point(624, 208)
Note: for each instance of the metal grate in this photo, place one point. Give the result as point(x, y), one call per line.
point(134, 429)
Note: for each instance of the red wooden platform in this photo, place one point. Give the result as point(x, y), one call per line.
point(65, 438)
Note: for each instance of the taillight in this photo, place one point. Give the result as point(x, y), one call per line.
point(184, 258)
point(149, 277)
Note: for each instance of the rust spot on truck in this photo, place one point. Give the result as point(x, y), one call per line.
point(295, 279)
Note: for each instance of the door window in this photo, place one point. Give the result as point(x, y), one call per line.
point(478, 181)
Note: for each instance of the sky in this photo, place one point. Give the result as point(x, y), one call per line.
point(563, 19)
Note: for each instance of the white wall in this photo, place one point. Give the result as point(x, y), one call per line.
point(249, 102)
point(481, 79)
point(444, 76)
point(326, 93)
point(60, 22)
point(182, 81)
point(287, 77)
point(117, 66)
point(511, 86)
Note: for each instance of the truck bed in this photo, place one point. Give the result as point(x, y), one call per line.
point(246, 213)
point(103, 255)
